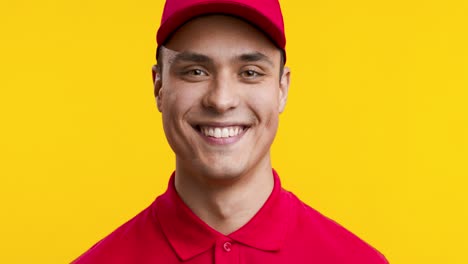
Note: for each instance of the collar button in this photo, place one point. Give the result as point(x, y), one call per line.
point(227, 246)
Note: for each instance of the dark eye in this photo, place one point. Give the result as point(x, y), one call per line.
point(250, 74)
point(193, 74)
point(196, 72)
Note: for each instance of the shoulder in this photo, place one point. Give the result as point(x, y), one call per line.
point(129, 242)
point(326, 238)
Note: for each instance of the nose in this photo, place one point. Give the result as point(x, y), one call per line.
point(222, 95)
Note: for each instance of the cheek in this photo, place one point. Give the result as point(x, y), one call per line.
point(179, 99)
point(178, 104)
point(265, 102)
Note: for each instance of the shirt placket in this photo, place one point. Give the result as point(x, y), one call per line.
point(226, 252)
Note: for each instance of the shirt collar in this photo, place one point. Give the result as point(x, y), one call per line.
point(189, 235)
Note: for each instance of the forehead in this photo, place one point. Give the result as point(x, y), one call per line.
point(219, 36)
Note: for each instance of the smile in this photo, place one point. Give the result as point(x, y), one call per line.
point(221, 132)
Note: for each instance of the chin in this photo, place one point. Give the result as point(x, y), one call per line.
point(221, 173)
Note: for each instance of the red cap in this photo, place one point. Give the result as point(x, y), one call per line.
point(264, 14)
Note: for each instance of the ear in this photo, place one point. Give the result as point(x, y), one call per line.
point(157, 82)
point(284, 89)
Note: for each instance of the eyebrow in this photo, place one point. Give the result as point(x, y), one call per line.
point(187, 56)
point(254, 57)
point(191, 57)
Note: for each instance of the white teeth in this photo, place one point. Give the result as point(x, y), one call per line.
point(217, 133)
point(221, 132)
point(225, 132)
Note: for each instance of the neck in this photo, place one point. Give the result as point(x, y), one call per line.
point(225, 204)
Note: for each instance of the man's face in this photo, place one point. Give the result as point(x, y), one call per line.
point(220, 95)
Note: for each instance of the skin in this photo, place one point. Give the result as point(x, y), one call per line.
point(220, 71)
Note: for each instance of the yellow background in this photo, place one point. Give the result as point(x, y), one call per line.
point(375, 134)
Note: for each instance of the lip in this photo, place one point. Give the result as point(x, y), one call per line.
point(221, 141)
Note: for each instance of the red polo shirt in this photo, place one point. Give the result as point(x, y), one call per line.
point(285, 230)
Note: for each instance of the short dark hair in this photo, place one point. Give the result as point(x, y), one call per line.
point(282, 62)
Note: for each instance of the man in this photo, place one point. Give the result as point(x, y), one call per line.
point(220, 84)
